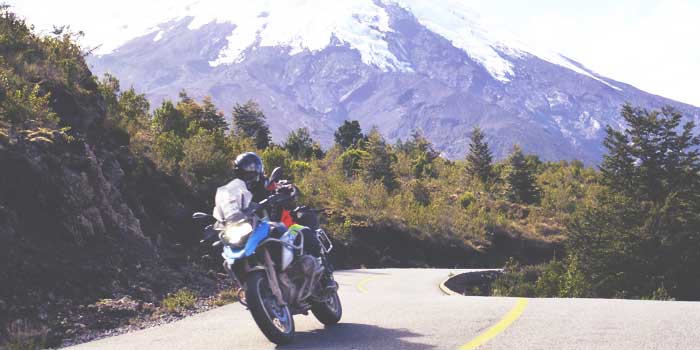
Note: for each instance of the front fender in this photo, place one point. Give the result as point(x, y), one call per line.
point(260, 234)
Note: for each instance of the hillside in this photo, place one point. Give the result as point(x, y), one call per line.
point(401, 65)
point(82, 217)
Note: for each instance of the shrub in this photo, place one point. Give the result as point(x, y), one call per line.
point(516, 280)
point(350, 161)
point(23, 335)
point(204, 164)
point(274, 156)
point(227, 296)
point(297, 169)
point(181, 300)
point(466, 199)
point(168, 151)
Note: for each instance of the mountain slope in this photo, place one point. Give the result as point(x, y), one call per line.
point(397, 64)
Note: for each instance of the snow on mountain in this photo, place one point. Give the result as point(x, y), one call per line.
point(401, 65)
point(361, 24)
point(456, 22)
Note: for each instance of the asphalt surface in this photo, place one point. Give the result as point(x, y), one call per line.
point(405, 309)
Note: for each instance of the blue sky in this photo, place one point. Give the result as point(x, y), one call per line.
point(652, 45)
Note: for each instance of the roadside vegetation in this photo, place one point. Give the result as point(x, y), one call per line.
point(181, 300)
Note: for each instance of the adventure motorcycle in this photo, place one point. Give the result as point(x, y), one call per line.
point(267, 260)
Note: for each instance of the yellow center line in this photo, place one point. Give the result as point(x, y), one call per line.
point(361, 284)
point(499, 327)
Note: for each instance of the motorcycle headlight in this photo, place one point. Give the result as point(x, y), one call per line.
point(236, 234)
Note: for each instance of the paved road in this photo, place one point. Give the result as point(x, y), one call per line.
point(405, 309)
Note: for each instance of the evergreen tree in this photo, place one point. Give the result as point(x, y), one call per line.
point(519, 180)
point(211, 118)
point(653, 158)
point(377, 165)
point(201, 116)
point(299, 144)
point(479, 158)
point(167, 118)
point(133, 111)
point(422, 154)
point(349, 134)
point(644, 239)
point(249, 121)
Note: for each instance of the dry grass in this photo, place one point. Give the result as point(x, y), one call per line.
point(23, 335)
point(226, 296)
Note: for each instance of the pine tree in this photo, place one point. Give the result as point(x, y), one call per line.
point(349, 134)
point(249, 121)
point(479, 158)
point(299, 144)
point(167, 118)
point(377, 165)
point(641, 238)
point(650, 159)
point(422, 155)
point(211, 118)
point(519, 180)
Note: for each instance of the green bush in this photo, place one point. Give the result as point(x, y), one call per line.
point(168, 152)
point(204, 165)
point(298, 169)
point(467, 199)
point(274, 156)
point(516, 280)
point(181, 300)
point(553, 279)
point(421, 192)
point(350, 161)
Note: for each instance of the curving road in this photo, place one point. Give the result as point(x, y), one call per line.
point(404, 309)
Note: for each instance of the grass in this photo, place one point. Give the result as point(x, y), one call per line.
point(181, 300)
point(226, 296)
point(23, 335)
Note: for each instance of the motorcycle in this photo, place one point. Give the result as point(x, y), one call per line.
point(277, 278)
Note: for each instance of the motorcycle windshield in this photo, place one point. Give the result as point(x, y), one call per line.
point(231, 200)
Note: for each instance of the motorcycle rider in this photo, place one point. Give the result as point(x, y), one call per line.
point(249, 168)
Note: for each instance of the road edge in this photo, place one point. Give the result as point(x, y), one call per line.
point(444, 289)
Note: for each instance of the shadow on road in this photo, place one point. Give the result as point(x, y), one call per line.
point(356, 336)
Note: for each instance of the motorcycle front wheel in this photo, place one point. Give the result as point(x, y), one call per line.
point(330, 312)
point(274, 320)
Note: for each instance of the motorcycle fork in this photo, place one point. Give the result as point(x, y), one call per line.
point(272, 277)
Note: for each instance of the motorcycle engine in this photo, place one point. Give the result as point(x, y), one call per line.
point(301, 277)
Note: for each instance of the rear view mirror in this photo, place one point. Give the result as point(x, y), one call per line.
point(276, 175)
point(200, 215)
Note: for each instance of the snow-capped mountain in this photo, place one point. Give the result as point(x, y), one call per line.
point(398, 64)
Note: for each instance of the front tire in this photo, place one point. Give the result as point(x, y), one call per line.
point(330, 312)
point(275, 321)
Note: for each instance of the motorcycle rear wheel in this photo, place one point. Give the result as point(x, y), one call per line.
point(274, 320)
